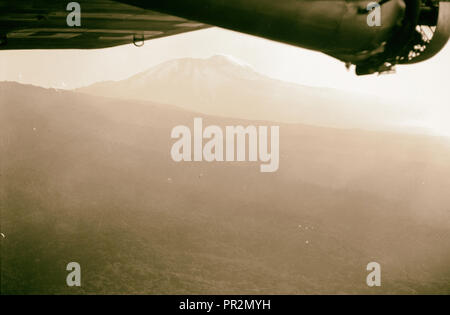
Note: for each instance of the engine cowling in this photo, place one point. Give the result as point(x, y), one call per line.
point(338, 28)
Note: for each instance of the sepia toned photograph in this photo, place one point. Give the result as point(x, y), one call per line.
point(199, 148)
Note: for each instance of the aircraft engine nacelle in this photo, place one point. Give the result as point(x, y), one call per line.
point(373, 35)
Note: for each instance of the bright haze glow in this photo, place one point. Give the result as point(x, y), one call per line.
point(421, 87)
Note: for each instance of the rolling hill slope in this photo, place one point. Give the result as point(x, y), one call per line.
point(90, 179)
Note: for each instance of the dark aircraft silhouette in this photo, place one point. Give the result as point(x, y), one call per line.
point(409, 31)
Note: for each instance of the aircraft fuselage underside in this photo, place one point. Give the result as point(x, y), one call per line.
point(410, 30)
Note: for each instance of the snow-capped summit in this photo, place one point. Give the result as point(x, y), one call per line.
point(217, 67)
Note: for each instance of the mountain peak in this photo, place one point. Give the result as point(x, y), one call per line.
point(214, 67)
point(228, 59)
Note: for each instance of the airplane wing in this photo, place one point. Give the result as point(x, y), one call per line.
point(42, 24)
point(373, 35)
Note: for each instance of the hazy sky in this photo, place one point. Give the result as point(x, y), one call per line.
point(425, 86)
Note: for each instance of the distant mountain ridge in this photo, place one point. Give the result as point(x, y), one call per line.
point(223, 86)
